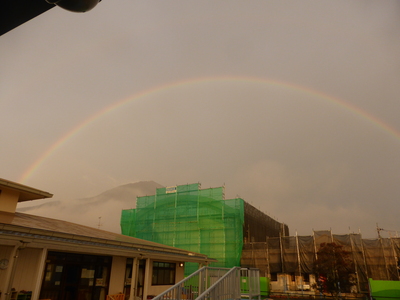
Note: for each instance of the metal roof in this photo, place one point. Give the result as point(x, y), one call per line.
point(36, 228)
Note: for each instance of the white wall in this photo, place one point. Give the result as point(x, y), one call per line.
point(26, 273)
point(157, 289)
point(117, 275)
point(5, 253)
point(27, 267)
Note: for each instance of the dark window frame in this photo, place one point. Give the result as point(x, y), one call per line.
point(164, 273)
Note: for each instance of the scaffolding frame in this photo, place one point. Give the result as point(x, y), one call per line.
point(373, 258)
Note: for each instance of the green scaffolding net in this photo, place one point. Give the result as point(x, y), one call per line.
point(190, 218)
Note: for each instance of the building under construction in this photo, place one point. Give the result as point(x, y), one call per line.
point(200, 220)
point(289, 261)
point(237, 234)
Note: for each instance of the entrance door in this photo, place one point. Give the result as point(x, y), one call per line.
point(71, 276)
point(70, 284)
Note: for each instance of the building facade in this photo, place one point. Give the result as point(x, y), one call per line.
point(289, 261)
point(237, 234)
point(199, 220)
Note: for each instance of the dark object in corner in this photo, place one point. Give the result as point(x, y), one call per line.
point(16, 12)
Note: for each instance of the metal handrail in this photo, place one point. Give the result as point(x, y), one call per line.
point(210, 283)
point(251, 277)
point(193, 285)
point(227, 287)
point(179, 283)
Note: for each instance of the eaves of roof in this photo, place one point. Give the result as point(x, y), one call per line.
point(26, 193)
point(36, 229)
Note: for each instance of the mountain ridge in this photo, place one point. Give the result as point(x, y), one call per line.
point(101, 211)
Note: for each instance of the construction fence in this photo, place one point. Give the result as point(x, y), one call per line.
point(373, 258)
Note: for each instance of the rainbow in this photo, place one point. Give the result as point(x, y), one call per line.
point(336, 101)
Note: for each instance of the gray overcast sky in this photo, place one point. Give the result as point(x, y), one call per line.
point(296, 155)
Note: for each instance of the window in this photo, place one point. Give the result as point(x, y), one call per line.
point(274, 276)
point(75, 274)
point(163, 273)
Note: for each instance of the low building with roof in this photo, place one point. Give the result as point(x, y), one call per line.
point(44, 258)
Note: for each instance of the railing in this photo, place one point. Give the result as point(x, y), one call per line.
point(227, 287)
point(250, 283)
point(194, 285)
point(216, 284)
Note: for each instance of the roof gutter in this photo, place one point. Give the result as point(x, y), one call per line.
point(7, 230)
